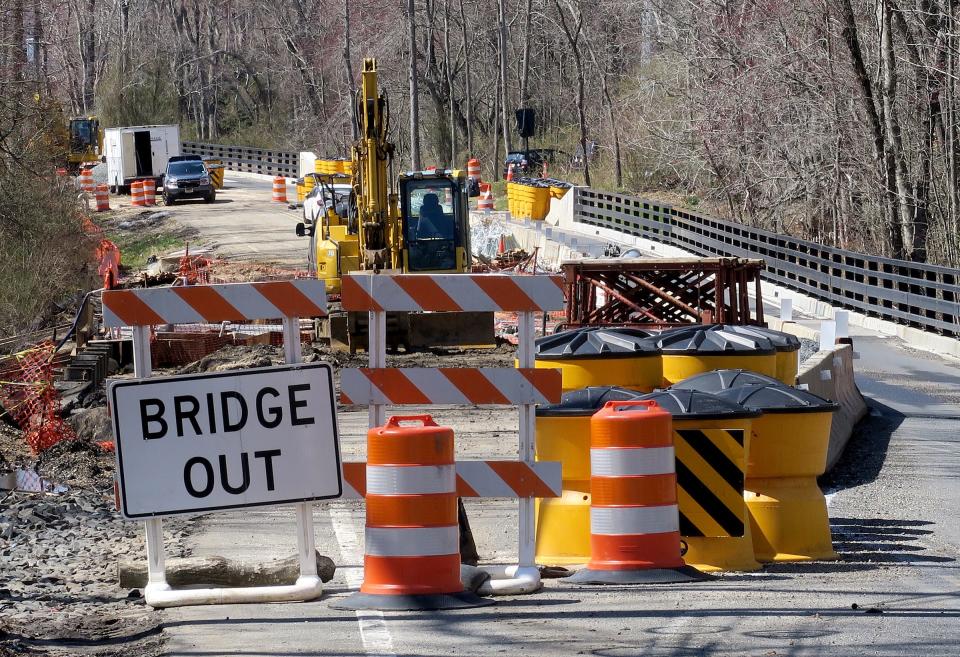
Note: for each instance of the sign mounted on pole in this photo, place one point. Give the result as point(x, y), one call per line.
point(214, 442)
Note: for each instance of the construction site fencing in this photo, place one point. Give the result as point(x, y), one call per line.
point(247, 158)
point(915, 294)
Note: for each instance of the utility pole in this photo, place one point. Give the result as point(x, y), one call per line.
point(414, 100)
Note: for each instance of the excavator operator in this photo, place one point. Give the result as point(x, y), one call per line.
point(431, 217)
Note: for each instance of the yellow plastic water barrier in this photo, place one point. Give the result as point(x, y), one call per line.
point(563, 434)
point(596, 356)
point(712, 444)
point(786, 345)
point(690, 350)
point(788, 512)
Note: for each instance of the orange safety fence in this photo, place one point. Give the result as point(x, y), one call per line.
point(30, 398)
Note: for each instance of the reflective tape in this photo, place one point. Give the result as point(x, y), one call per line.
point(630, 520)
point(412, 541)
point(411, 479)
point(631, 461)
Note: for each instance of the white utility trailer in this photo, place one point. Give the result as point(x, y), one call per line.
point(139, 152)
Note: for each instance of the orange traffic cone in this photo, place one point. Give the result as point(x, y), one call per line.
point(634, 517)
point(412, 548)
point(510, 173)
point(501, 246)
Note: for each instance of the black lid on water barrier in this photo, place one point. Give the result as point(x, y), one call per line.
point(586, 401)
point(597, 342)
point(718, 380)
point(781, 341)
point(777, 398)
point(712, 339)
point(693, 404)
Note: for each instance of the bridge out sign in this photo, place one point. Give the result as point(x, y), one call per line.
point(213, 442)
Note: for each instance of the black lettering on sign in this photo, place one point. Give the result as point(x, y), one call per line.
point(188, 476)
point(225, 398)
point(276, 412)
point(245, 474)
point(211, 415)
point(267, 456)
point(155, 417)
point(295, 403)
point(186, 414)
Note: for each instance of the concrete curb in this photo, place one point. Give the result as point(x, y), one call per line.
point(829, 374)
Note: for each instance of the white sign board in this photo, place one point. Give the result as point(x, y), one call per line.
point(213, 442)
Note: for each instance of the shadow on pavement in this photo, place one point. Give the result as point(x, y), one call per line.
point(866, 452)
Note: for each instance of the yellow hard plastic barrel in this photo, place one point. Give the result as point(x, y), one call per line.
point(601, 356)
point(215, 168)
point(563, 434)
point(712, 443)
point(690, 350)
point(786, 344)
point(788, 511)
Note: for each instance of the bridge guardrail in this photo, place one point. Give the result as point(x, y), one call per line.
point(920, 295)
point(247, 158)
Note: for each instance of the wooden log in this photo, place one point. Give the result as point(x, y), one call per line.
point(216, 571)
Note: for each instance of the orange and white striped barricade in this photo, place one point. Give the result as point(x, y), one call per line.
point(524, 295)
point(136, 194)
point(149, 192)
point(279, 189)
point(412, 538)
point(86, 181)
point(473, 169)
point(634, 517)
point(141, 309)
point(102, 196)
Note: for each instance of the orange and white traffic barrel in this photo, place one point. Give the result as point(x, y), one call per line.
point(280, 189)
point(136, 194)
point(510, 172)
point(634, 518)
point(412, 553)
point(485, 202)
point(86, 181)
point(473, 168)
point(102, 196)
point(149, 192)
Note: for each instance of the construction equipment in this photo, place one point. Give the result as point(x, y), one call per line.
point(417, 222)
point(86, 141)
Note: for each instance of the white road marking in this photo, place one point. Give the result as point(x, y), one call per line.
point(348, 528)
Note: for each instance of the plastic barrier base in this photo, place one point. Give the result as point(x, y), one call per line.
point(652, 576)
point(463, 600)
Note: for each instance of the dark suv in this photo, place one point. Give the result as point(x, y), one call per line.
point(187, 177)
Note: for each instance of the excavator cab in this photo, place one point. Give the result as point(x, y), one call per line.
point(434, 226)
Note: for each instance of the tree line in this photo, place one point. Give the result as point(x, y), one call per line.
point(832, 120)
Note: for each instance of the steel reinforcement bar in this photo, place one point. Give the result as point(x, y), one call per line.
point(915, 294)
point(247, 158)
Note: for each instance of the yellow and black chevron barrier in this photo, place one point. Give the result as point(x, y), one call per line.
point(710, 472)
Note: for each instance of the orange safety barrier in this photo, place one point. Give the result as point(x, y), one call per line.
point(136, 194)
point(279, 189)
point(485, 202)
point(102, 196)
point(149, 192)
point(412, 548)
point(634, 517)
point(86, 181)
point(473, 168)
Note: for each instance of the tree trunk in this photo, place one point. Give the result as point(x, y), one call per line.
point(448, 69)
point(348, 70)
point(219, 571)
point(414, 90)
point(504, 94)
point(466, 80)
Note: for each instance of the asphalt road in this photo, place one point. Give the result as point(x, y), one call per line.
point(895, 590)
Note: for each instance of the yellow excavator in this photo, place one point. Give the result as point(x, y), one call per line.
point(86, 141)
point(416, 222)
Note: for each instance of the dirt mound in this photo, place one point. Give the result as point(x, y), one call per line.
point(78, 464)
point(92, 424)
point(236, 358)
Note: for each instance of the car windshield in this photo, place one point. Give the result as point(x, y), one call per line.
point(186, 169)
